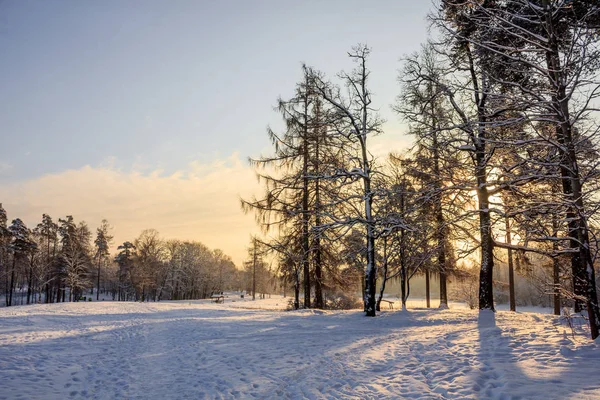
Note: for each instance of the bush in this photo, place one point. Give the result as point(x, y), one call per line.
point(334, 301)
point(465, 288)
point(290, 305)
point(342, 301)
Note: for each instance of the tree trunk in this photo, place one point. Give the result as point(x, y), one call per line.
point(479, 141)
point(427, 290)
point(556, 285)
point(98, 283)
point(583, 273)
point(254, 272)
point(371, 273)
point(30, 282)
point(385, 277)
point(439, 219)
point(12, 282)
point(317, 241)
point(403, 287)
point(486, 280)
point(305, 230)
point(555, 268)
point(511, 273)
point(297, 291)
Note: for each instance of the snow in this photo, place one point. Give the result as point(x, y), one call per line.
point(245, 349)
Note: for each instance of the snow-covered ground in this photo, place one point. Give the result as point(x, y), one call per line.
point(196, 350)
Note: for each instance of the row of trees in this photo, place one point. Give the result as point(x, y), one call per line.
point(57, 262)
point(501, 102)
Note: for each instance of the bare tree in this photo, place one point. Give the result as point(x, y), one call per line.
point(354, 119)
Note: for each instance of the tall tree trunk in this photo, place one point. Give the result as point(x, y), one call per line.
point(583, 272)
point(30, 283)
point(511, 273)
point(12, 282)
point(98, 283)
point(403, 286)
point(254, 272)
point(48, 298)
point(6, 284)
point(556, 285)
point(439, 218)
point(479, 139)
point(297, 291)
point(371, 272)
point(305, 216)
point(555, 268)
point(427, 289)
point(385, 274)
point(486, 279)
point(317, 241)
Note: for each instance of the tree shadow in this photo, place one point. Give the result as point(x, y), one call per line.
point(229, 353)
point(528, 364)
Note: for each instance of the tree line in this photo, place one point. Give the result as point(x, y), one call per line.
point(63, 261)
point(501, 102)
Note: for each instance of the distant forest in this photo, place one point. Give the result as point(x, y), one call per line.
point(63, 261)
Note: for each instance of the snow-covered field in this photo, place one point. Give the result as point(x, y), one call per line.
point(196, 350)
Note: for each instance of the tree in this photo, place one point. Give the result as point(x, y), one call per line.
point(5, 238)
point(102, 243)
point(20, 245)
point(149, 258)
point(125, 261)
point(354, 119)
point(256, 269)
point(436, 166)
point(48, 232)
point(293, 186)
point(551, 64)
point(75, 256)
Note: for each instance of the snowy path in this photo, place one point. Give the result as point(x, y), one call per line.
point(194, 351)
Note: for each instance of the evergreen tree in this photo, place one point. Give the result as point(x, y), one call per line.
point(48, 232)
point(102, 243)
point(21, 244)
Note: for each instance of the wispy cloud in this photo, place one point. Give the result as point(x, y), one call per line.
point(5, 167)
point(200, 202)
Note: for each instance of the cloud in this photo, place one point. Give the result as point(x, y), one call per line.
point(5, 167)
point(200, 202)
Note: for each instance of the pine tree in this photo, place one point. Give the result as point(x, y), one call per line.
point(48, 232)
point(21, 244)
point(102, 243)
point(125, 261)
point(5, 237)
point(292, 202)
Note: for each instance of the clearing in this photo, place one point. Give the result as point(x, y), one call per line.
point(196, 350)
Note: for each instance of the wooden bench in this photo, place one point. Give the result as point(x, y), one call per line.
point(218, 298)
point(390, 303)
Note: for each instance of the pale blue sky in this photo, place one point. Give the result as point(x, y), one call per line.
point(144, 111)
point(161, 83)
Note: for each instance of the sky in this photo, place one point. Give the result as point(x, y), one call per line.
point(144, 112)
